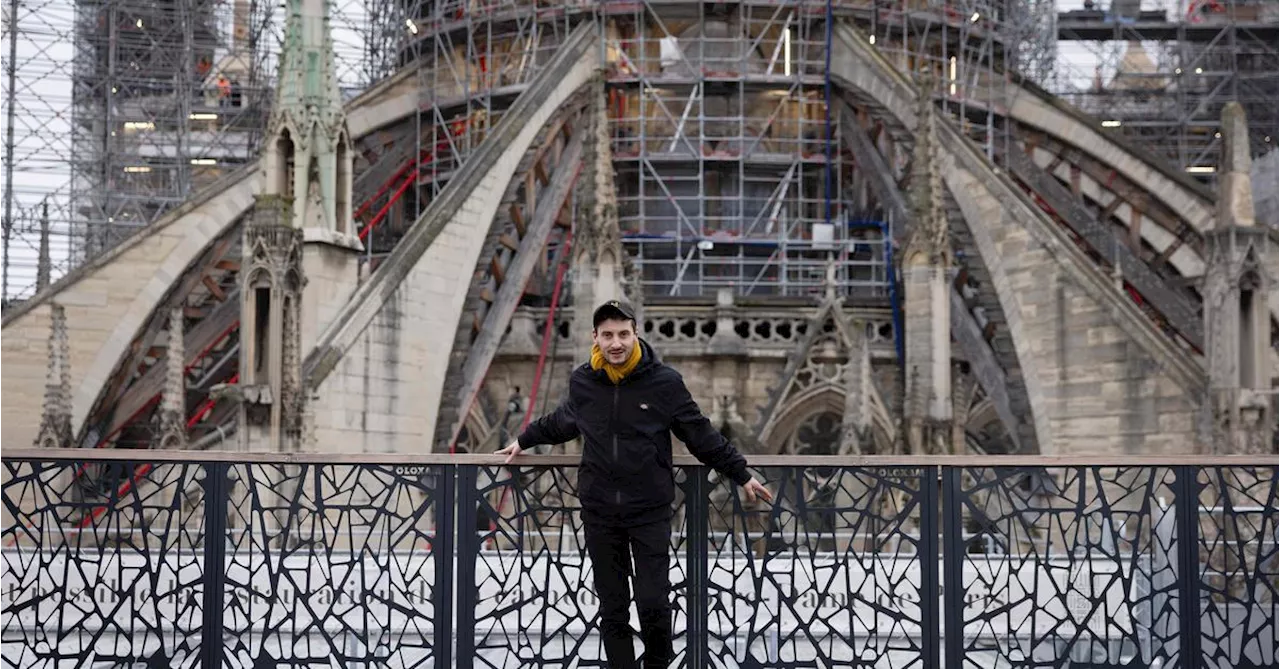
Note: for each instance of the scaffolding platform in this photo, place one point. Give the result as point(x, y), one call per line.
point(1099, 26)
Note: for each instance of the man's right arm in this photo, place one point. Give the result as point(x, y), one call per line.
point(557, 427)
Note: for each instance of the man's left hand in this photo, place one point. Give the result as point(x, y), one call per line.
point(753, 488)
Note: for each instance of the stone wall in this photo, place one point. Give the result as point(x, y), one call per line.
point(1094, 389)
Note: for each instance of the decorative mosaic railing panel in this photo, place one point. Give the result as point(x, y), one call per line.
point(1076, 565)
point(1239, 567)
point(104, 564)
point(331, 564)
point(441, 561)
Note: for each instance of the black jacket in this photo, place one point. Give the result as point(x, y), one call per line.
point(626, 474)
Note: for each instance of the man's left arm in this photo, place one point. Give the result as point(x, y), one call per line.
point(706, 443)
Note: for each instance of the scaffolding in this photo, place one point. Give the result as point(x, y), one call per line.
point(972, 48)
point(721, 150)
point(153, 116)
point(474, 60)
point(731, 170)
point(116, 111)
point(1160, 71)
point(730, 196)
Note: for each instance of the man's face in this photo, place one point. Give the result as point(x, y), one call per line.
point(615, 339)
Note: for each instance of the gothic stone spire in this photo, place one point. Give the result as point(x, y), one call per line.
point(271, 287)
point(173, 430)
point(55, 424)
point(855, 427)
point(924, 198)
point(306, 197)
point(599, 260)
point(308, 159)
point(1235, 187)
point(308, 91)
point(44, 264)
point(1238, 286)
point(926, 263)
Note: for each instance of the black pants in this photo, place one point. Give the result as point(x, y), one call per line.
point(612, 550)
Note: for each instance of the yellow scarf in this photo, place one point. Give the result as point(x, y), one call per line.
point(616, 372)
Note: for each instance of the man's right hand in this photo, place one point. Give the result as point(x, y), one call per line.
point(510, 451)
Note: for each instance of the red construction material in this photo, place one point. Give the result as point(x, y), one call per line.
point(395, 197)
point(1196, 10)
point(137, 414)
point(466, 406)
point(382, 189)
point(207, 405)
point(547, 333)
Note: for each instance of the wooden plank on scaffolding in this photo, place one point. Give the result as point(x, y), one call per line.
point(518, 271)
point(201, 337)
point(159, 320)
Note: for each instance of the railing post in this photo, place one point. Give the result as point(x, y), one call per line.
point(216, 502)
point(929, 554)
point(467, 549)
point(442, 549)
point(695, 548)
point(953, 568)
point(1186, 503)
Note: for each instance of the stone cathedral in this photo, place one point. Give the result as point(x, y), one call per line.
point(1017, 300)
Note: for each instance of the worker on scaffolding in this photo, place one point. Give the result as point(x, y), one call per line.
point(625, 404)
point(224, 90)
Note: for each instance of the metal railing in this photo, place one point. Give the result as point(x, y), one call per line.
point(436, 560)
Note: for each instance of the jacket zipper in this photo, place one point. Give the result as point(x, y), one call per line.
point(617, 493)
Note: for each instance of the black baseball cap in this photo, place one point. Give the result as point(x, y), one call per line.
point(613, 309)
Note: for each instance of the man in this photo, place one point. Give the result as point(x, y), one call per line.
point(626, 403)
